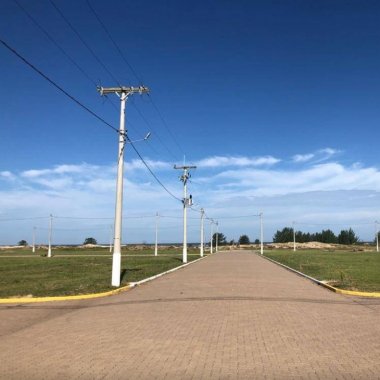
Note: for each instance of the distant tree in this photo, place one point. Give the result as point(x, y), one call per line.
point(232, 242)
point(347, 237)
point(283, 236)
point(257, 241)
point(23, 243)
point(244, 239)
point(328, 236)
point(90, 240)
point(222, 240)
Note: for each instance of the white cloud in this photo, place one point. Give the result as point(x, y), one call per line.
point(235, 186)
point(6, 175)
point(302, 157)
point(319, 156)
point(223, 161)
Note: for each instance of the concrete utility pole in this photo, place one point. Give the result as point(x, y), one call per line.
point(50, 234)
point(156, 244)
point(122, 93)
point(261, 234)
point(216, 237)
point(186, 203)
point(377, 235)
point(294, 236)
point(202, 230)
point(211, 233)
point(34, 240)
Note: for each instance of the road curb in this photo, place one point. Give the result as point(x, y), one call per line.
point(322, 283)
point(130, 286)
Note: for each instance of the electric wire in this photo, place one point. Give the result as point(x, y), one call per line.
point(113, 41)
point(151, 172)
point(61, 49)
point(58, 86)
point(139, 80)
point(19, 219)
point(102, 64)
point(89, 111)
point(50, 37)
point(84, 42)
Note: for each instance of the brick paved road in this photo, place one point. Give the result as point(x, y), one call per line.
point(230, 316)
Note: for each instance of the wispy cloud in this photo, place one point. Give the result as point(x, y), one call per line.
point(6, 175)
point(224, 161)
point(302, 157)
point(222, 185)
point(318, 156)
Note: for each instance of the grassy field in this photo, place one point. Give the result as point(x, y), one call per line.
point(345, 270)
point(78, 271)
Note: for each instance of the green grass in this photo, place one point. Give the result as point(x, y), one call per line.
point(93, 251)
point(345, 270)
point(41, 276)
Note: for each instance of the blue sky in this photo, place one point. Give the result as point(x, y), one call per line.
point(275, 101)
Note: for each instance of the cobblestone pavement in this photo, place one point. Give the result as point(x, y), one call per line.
point(232, 315)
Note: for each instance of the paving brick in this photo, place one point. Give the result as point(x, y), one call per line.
point(231, 316)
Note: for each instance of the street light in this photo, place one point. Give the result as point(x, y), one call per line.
point(144, 139)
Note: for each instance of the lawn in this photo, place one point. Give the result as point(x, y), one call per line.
point(343, 269)
point(73, 274)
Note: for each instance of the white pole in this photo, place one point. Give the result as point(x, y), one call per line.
point(156, 244)
point(261, 234)
point(202, 230)
point(216, 237)
point(377, 236)
point(184, 254)
point(50, 234)
point(294, 237)
point(111, 237)
point(34, 240)
point(116, 258)
point(211, 223)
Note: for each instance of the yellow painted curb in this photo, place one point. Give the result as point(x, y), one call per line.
point(64, 298)
point(352, 292)
point(327, 286)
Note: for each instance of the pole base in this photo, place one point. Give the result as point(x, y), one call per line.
point(116, 268)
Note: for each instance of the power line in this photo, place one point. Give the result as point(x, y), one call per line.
point(18, 219)
point(84, 42)
point(49, 36)
point(150, 126)
point(58, 86)
point(165, 124)
point(151, 172)
point(89, 111)
point(139, 80)
point(113, 41)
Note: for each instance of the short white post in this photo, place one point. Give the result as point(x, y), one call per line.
point(261, 234)
point(50, 234)
point(34, 240)
point(202, 230)
point(156, 243)
point(294, 237)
